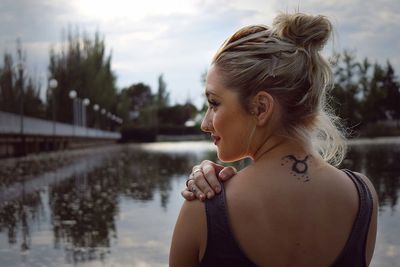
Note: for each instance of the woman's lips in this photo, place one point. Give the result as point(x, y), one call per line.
point(215, 139)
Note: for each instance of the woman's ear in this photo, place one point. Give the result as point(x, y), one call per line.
point(263, 107)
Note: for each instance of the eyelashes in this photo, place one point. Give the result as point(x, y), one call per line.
point(212, 104)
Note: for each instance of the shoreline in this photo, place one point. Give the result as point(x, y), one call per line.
point(389, 140)
point(19, 168)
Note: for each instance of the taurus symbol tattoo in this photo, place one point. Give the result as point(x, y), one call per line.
point(299, 167)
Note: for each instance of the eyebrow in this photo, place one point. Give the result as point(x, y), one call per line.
point(210, 92)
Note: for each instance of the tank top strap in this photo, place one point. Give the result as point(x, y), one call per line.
point(222, 247)
point(353, 254)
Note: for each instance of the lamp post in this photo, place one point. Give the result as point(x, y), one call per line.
point(19, 69)
point(103, 112)
point(109, 116)
point(85, 103)
point(96, 108)
point(53, 85)
point(72, 95)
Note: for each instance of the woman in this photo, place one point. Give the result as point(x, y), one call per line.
point(266, 92)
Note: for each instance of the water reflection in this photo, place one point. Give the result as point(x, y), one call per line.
point(84, 207)
point(83, 210)
point(16, 216)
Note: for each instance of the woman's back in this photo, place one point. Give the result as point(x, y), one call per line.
point(266, 92)
point(279, 219)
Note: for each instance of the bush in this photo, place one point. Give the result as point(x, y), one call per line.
point(136, 134)
point(149, 134)
point(179, 130)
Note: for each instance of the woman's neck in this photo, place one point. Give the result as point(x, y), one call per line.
point(277, 146)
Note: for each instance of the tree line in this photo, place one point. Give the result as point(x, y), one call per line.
point(364, 93)
point(82, 65)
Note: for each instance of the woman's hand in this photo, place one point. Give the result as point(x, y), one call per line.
point(203, 182)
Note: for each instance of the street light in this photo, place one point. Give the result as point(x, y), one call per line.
point(102, 121)
point(19, 69)
point(72, 94)
point(85, 103)
point(96, 108)
point(109, 120)
point(53, 85)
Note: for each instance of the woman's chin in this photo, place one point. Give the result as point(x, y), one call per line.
point(227, 158)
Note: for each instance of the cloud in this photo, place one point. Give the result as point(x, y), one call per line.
point(178, 38)
point(38, 24)
point(182, 50)
point(369, 27)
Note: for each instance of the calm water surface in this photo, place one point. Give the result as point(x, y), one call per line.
point(118, 208)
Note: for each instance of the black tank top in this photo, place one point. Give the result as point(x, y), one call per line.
point(223, 250)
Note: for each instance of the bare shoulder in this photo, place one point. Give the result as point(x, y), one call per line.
point(370, 185)
point(242, 190)
point(190, 234)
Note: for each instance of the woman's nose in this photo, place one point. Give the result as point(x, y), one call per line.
point(205, 124)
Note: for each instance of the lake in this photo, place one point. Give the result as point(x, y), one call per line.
point(117, 206)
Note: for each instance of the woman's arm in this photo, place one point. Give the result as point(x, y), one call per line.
point(190, 236)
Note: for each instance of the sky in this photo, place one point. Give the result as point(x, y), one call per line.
point(177, 38)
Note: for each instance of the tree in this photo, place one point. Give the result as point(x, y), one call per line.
point(9, 93)
point(374, 99)
point(365, 96)
point(140, 96)
point(82, 65)
point(176, 115)
point(19, 93)
point(364, 74)
point(33, 104)
point(137, 99)
point(346, 89)
point(162, 93)
point(392, 92)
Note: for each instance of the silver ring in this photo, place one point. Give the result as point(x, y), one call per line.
point(187, 181)
point(193, 189)
point(196, 170)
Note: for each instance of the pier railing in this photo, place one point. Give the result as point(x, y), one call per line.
point(13, 124)
point(20, 135)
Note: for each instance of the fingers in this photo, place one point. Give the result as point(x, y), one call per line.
point(192, 191)
point(204, 183)
point(199, 186)
point(217, 167)
point(209, 184)
point(196, 186)
point(186, 194)
point(196, 168)
point(226, 173)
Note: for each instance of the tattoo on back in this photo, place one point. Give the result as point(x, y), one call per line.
point(299, 167)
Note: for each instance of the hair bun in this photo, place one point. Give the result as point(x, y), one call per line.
point(304, 30)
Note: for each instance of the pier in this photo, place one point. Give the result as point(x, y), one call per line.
point(21, 135)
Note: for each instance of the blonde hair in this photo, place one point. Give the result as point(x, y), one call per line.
point(285, 61)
